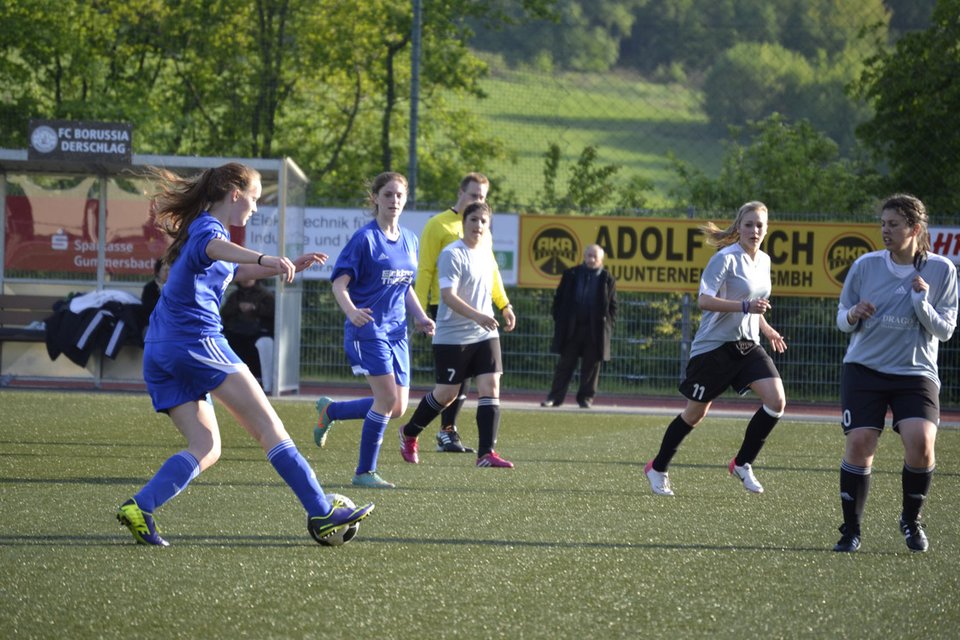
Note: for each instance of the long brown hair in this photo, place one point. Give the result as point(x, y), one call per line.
point(914, 213)
point(725, 237)
point(178, 201)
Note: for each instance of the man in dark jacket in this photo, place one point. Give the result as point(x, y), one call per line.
point(584, 312)
point(248, 314)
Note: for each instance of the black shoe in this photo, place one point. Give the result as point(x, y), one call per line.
point(549, 403)
point(914, 536)
point(850, 541)
point(448, 440)
point(585, 404)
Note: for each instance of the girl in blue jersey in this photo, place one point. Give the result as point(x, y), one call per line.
point(186, 357)
point(898, 304)
point(734, 294)
point(372, 283)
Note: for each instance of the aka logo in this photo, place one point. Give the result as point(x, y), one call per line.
point(842, 253)
point(554, 250)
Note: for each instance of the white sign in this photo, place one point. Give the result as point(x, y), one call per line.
point(945, 241)
point(328, 230)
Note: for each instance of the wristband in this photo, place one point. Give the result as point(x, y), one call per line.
point(260, 258)
point(745, 306)
point(506, 306)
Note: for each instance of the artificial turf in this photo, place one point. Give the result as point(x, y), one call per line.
point(569, 544)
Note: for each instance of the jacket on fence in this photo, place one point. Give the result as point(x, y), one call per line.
point(100, 322)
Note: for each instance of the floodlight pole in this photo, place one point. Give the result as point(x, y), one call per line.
point(414, 103)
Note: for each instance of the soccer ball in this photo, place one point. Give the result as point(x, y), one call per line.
point(343, 535)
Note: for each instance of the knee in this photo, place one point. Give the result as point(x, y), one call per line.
point(445, 395)
point(693, 415)
point(860, 446)
point(919, 452)
point(206, 453)
point(774, 400)
point(490, 388)
point(386, 401)
point(399, 408)
point(775, 406)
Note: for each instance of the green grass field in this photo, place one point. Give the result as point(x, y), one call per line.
point(633, 123)
point(570, 544)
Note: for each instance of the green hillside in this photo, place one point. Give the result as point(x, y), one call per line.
point(632, 122)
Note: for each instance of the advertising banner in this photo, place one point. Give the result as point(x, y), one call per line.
point(668, 255)
point(327, 230)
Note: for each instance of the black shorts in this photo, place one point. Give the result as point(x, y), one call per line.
point(734, 364)
point(458, 362)
point(866, 394)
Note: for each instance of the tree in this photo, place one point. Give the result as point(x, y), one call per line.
point(692, 33)
point(910, 15)
point(589, 187)
point(915, 92)
point(790, 167)
point(750, 81)
point(578, 35)
point(323, 81)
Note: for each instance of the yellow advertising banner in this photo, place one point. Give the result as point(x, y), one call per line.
point(668, 255)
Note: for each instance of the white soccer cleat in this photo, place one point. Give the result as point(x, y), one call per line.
point(659, 482)
point(745, 474)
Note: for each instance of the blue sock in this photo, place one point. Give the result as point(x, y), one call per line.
point(371, 437)
point(349, 409)
point(172, 478)
point(295, 471)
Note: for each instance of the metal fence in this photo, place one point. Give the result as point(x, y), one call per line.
point(649, 347)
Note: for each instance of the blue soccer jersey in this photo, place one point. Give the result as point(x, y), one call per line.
point(189, 306)
point(381, 271)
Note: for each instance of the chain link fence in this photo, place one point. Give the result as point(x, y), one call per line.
point(648, 349)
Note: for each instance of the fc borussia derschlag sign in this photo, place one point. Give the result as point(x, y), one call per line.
point(79, 141)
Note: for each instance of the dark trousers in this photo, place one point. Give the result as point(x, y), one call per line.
point(582, 346)
point(245, 346)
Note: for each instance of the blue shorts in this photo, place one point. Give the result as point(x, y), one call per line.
point(181, 372)
point(379, 358)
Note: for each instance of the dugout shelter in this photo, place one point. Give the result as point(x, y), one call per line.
point(74, 227)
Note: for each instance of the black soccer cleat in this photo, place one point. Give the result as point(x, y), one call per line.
point(850, 541)
point(448, 440)
point(914, 536)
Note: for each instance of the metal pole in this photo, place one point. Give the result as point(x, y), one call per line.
point(686, 322)
point(414, 103)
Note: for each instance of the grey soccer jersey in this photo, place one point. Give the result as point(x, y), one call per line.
point(732, 275)
point(469, 272)
point(904, 335)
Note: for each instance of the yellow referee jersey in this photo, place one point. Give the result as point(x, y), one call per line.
point(441, 230)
